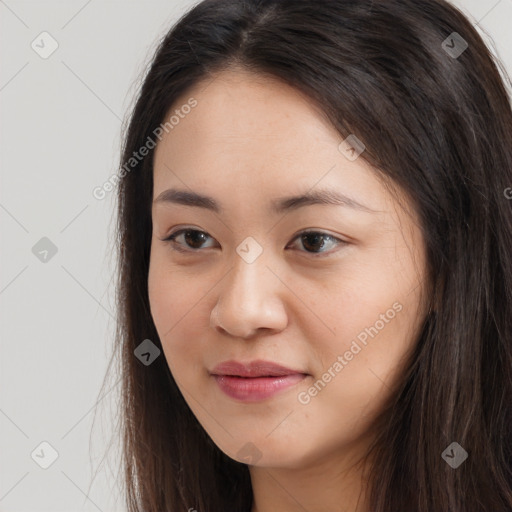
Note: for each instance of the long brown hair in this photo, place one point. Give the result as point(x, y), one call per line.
point(435, 123)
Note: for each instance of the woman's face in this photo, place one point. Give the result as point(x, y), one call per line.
point(339, 308)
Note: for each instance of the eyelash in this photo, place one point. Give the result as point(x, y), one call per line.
point(175, 247)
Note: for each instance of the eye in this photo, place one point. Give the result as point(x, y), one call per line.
point(317, 240)
point(193, 239)
point(196, 239)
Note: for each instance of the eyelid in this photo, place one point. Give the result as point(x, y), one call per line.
point(175, 246)
point(339, 241)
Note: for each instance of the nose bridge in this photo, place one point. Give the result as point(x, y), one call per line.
point(248, 298)
point(249, 273)
point(247, 280)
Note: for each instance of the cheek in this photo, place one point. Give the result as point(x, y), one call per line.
point(375, 319)
point(171, 292)
point(355, 379)
point(162, 296)
point(179, 310)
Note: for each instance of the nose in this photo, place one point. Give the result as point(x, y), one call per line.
point(249, 301)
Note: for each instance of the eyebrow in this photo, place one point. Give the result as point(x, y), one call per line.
point(277, 206)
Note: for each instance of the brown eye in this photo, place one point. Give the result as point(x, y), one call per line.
point(193, 238)
point(315, 241)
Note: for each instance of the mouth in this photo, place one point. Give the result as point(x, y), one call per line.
point(256, 380)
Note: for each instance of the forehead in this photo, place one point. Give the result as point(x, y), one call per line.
point(241, 113)
point(250, 136)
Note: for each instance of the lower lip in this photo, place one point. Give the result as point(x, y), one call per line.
point(256, 388)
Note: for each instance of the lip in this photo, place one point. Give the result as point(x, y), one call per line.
point(258, 368)
point(256, 380)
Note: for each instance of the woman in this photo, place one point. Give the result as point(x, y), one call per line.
point(315, 286)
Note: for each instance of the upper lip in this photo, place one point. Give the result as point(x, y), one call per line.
point(257, 368)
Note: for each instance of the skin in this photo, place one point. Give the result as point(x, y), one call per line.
point(249, 140)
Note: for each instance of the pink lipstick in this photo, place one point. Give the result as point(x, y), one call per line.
point(256, 380)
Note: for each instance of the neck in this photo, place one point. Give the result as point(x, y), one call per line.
point(335, 483)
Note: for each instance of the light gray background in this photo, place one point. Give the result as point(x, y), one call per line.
point(60, 137)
